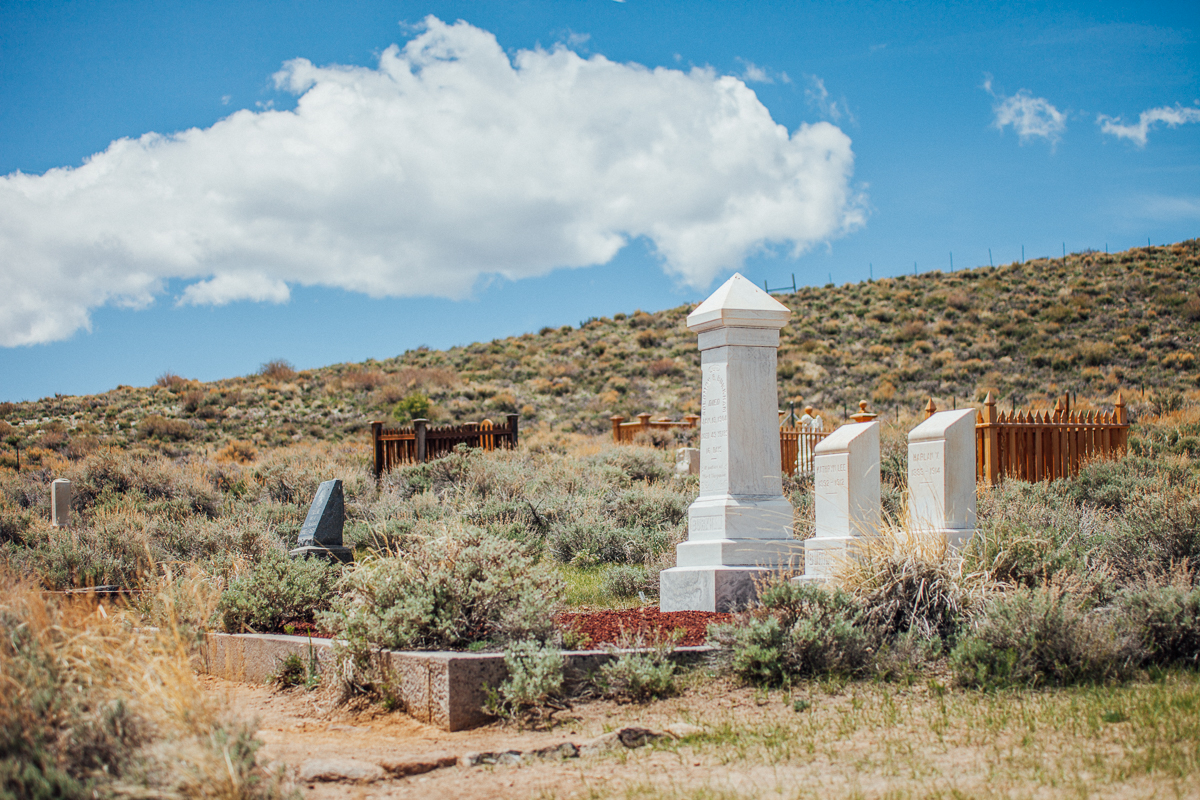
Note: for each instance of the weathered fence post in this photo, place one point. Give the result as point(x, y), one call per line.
point(616, 423)
point(1121, 436)
point(419, 426)
point(376, 431)
point(512, 426)
point(991, 442)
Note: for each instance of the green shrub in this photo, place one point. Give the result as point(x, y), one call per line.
point(446, 592)
point(534, 686)
point(279, 590)
point(798, 631)
point(1035, 637)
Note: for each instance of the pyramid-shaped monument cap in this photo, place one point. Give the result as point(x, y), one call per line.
point(738, 304)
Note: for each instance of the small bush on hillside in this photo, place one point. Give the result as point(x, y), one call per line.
point(279, 590)
point(1042, 636)
point(415, 406)
point(278, 369)
point(156, 426)
point(798, 631)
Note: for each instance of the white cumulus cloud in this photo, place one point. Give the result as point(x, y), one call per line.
point(448, 162)
point(1031, 117)
point(1137, 132)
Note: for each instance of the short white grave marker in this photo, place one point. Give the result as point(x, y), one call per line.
point(941, 476)
point(60, 503)
point(846, 484)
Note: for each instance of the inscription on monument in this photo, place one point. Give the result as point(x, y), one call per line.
point(714, 425)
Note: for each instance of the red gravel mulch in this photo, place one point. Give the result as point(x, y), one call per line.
point(605, 627)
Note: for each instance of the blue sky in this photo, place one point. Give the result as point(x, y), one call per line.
point(543, 163)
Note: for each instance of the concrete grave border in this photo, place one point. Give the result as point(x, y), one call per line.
point(440, 688)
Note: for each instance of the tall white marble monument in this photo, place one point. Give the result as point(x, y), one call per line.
point(846, 502)
point(740, 527)
point(941, 476)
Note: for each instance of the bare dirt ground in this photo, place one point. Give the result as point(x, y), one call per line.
point(860, 740)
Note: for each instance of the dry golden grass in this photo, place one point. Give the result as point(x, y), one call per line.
point(91, 702)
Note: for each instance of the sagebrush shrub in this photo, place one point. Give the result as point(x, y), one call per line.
point(640, 673)
point(1166, 622)
point(277, 591)
point(626, 580)
point(798, 631)
point(1034, 637)
point(534, 686)
point(446, 592)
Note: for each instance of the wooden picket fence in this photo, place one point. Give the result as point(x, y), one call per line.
point(796, 450)
point(421, 443)
point(623, 432)
point(1043, 445)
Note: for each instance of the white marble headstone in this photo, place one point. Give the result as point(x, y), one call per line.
point(941, 476)
point(846, 503)
point(740, 526)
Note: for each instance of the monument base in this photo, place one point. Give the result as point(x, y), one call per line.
point(721, 589)
point(331, 553)
point(822, 554)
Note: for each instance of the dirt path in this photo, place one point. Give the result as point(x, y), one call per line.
point(865, 740)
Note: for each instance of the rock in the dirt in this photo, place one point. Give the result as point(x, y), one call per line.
point(560, 751)
point(601, 744)
point(417, 765)
point(340, 769)
point(636, 737)
point(682, 730)
point(504, 758)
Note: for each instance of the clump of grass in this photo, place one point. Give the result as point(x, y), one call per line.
point(95, 706)
point(909, 581)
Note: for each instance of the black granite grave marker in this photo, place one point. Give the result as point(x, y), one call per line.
point(321, 534)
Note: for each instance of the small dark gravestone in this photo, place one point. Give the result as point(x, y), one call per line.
point(321, 534)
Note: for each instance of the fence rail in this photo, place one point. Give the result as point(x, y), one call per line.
point(421, 443)
point(623, 432)
point(1045, 446)
point(796, 443)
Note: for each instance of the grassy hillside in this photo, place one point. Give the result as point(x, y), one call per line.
point(1091, 323)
